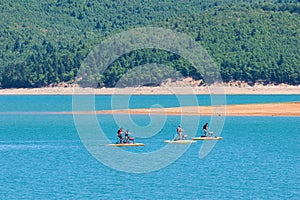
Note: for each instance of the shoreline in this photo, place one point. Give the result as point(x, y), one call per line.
point(266, 109)
point(161, 90)
point(290, 109)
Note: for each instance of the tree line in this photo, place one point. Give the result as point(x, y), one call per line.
point(46, 43)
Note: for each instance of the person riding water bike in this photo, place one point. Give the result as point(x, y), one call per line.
point(128, 138)
point(179, 133)
point(119, 134)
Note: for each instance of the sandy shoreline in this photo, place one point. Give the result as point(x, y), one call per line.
point(274, 109)
point(267, 109)
point(259, 89)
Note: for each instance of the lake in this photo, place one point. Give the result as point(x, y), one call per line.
point(43, 157)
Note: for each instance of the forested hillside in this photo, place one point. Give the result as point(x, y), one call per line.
point(44, 42)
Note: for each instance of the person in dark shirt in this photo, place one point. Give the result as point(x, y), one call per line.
point(179, 132)
point(120, 132)
point(205, 129)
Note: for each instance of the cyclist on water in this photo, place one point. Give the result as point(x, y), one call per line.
point(128, 138)
point(205, 129)
point(179, 133)
point(120, 132)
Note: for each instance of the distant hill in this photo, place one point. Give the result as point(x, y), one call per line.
point(44, 42)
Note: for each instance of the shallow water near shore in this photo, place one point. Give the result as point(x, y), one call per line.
point(42, 156)
point(58, 103)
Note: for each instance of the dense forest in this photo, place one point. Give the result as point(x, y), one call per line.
point(45, 42)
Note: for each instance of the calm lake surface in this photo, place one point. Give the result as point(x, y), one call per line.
point(42, 156)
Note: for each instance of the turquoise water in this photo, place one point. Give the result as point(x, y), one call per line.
point(42, 157)
point(11, 103)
